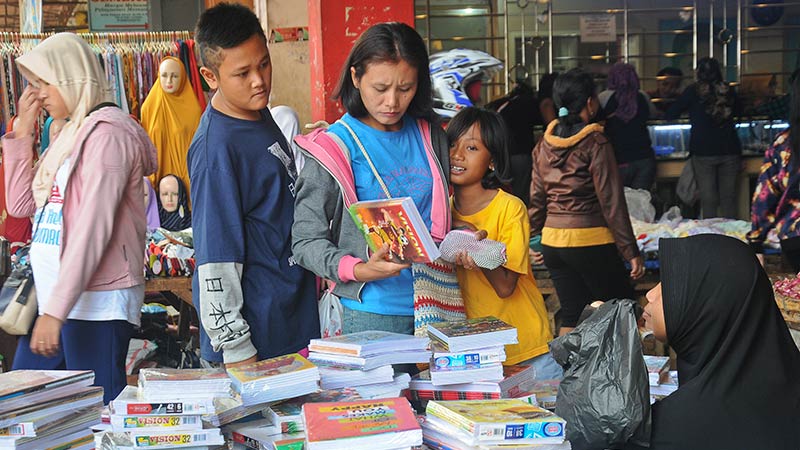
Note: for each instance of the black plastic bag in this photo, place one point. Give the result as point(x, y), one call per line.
point(605, 393)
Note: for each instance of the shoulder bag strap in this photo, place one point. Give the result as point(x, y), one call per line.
point(369, 160)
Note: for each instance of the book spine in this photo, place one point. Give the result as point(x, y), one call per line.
point(248, 442)
point(158, 423)
point(171, 439)
point(511, 432)
point(168, 408)
point(322, 348)
point(426, 394)
point(24, 429)
point(473, 360)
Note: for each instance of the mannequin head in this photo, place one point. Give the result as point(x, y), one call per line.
point(168, 192)
point(170, 74)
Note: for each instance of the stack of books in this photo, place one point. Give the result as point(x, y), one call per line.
point(477, 423)
point(385, 424)
point(395, 388)
point(184, 383)
point(288, 415)
point(282, 426)
point(368, 350)
point(657, 369)
point(275, 379)
point(262, 434)
point(469, 350)
point(517, 381)
point(164, 419)
point(48, 409)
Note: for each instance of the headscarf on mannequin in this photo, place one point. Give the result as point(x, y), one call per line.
point(181, 218)
point(171, 120)
point(65, 61)
point(738, 368)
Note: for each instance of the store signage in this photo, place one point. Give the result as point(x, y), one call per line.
point(598, 28)
point(119, 15)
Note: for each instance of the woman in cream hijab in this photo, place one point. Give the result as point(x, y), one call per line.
point(89, 222)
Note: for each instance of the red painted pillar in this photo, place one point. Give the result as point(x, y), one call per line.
point(333, 27)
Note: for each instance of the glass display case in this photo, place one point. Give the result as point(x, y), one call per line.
point(671, 140)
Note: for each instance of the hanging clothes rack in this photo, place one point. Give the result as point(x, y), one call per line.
point(130, 61)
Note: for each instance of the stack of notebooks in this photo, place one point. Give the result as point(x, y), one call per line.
point(281, 426)
point(385, 424)
point(364, 360)
point(479, 424)
point(167, 410)
point(275, 379)
point(184, 383)
point(517, 381)
point(42, 409)
point(469, 350)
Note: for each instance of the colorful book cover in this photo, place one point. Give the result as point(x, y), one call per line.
point(289, 413)
point(499, 420)
point(280, 365)
point(338, 420)
point(162, 374)
point(395, 222)
point(354, 343)
point(469, 327)
point(21, 382)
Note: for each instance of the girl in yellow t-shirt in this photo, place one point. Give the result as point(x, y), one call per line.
point(478, 166)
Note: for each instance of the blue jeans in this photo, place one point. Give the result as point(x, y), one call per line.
point(544, 367)
point(101, 346)
point(716, 181)
point(354, 321)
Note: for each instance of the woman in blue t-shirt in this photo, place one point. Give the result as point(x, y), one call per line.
point(389, 127)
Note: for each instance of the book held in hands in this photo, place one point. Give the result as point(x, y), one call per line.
point(397, 223)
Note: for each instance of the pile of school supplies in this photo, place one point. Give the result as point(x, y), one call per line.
point(368, 350)
point(42, 409)
point(517, 381)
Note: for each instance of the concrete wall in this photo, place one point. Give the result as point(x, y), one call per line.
point(291, 72)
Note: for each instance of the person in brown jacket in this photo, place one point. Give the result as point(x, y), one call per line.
point(578, 205)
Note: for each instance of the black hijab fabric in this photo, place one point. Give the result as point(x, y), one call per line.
point(738, 368)
point(181, 218)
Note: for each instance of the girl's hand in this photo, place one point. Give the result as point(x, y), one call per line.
point(637, 268)
point(537, 257)
point(28, 110)
point(378, 267)
point(464, 260)
point(46, 336)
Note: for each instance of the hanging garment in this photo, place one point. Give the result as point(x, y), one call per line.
point(171, 120)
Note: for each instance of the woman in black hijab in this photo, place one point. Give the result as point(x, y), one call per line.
point(738, 369)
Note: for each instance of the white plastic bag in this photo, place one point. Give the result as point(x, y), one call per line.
point(640, 206)
point(330, 315)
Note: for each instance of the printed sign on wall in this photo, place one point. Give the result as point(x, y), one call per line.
point(119, 15)
point(598, 28)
